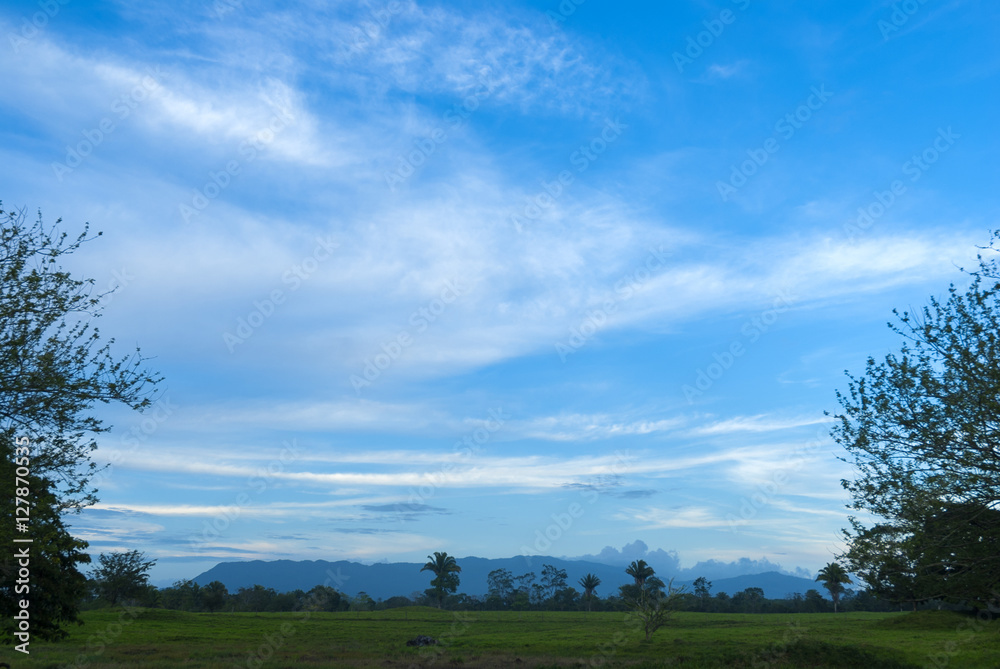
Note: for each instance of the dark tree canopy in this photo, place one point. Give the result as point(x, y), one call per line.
point(923, 429)
point(56, 585)
point(122, 576)
point(54, 364)
point(445, 570)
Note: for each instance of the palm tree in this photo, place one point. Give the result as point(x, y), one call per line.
point(589, 584)
point(444, 568)
point(640, 571)
point(834, 577)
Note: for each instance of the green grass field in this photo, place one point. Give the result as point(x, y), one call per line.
point(160, 638)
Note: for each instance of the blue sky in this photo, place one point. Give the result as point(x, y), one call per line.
point(539, 278)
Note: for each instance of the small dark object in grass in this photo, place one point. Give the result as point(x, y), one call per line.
point(421, 640)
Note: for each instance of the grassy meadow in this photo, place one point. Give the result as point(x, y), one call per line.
point(163, 638)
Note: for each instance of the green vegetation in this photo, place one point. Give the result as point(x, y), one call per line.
point(55, 368)
point(121, 638)
point(921, 427)
point(445, 571)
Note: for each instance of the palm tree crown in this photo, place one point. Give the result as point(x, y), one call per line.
point(444, 567)
point(589, 584)
point(834, 577)
point(640, 571)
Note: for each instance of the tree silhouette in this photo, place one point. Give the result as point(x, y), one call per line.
point(589, 584)
point(834, 577)
point(640, 571)
point(445, 570)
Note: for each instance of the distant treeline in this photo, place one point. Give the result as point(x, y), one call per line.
point(215, 597)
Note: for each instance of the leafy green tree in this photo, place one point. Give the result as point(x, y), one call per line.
point(923, 429)
point(703, 591)
point(750, 600)
point(445, 570)
point(640, 571)
point(122, 576)
point(54, 364)
point(833, 577)
point(553, 579)
point(55, 586)
point(213, 596)
point(54, 369)
point(648, 599)
point(183, 595)
point(500, 584)
point(256, 599)
point(814, 601)
point(326, 598)
point(589, 584)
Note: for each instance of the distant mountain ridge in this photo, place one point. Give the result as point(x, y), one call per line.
point(384, 580)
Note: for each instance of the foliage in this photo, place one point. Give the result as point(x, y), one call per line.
point(589, 584)
point(55, 584)
point(702, 588)
point(54, 365)
point(833, 577)
point(553, 580)
point(923, 427)
point(122, 576)
point(501, 587)
point(445, 570)
point(157, 639)
point(646, 599)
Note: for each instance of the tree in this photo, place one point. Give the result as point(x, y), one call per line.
point(326, 598)
point(589, 584)
point(54, 369)
point(553, 579)
point(646, 598)
point(833, 578)
point(750, 600)
point(703, 591)
point(55, 586)
point(500, 584)
point(213, 596)
point(54, 365)
point(923, 429)
point(640, 571)
point(445, 570)
point(814, 601)
point(122, 576)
